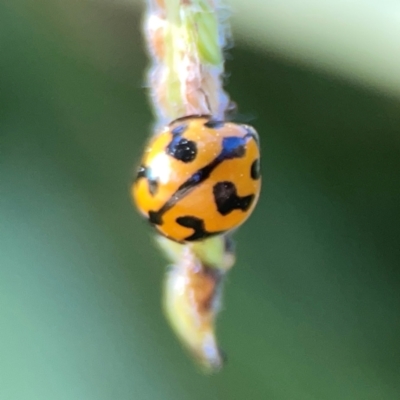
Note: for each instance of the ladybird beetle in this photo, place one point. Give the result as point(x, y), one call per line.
point(199, 177)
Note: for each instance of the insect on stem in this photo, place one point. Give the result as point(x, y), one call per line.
point(185, 41)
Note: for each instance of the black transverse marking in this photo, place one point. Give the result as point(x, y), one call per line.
point(214, 124)
point(232, 147)
point(197, 225)
point(255, 172)
point(182, 149)
point(227, 200)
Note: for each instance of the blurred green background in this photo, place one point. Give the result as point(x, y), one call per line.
point(311, 308)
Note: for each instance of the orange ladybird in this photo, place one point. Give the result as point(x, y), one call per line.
point(199, 177)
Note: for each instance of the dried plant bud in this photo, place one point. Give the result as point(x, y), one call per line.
point(191, 299)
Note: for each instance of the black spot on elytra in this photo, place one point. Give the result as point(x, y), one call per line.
point(197, 225)
point(214, 124)
point(182, 149)
point(227, 200)
point(255, 172)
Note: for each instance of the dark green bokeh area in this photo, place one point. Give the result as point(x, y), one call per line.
point(311, 309)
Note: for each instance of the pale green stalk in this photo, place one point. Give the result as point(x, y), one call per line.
point(186, 74)
point(185, 42)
